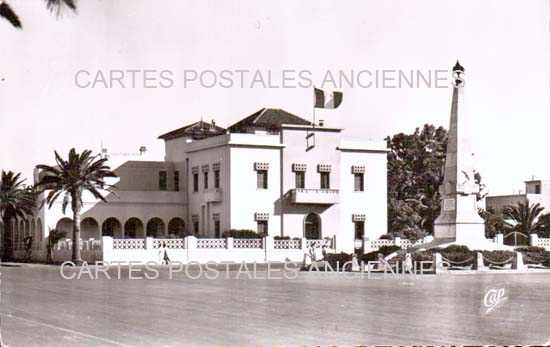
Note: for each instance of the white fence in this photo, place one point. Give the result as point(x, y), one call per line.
point(85, 245)
point(374, 245)
point(192, 249)
point(535, 240)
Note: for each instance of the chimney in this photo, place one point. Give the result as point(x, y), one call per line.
point(213, 125)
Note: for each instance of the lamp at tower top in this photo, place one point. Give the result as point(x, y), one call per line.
point(458, 67)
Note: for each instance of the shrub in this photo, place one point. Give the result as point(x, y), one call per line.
point(242, 234)
point(535, 255)
point(281, 237)
point(384, 250)
point(533, 249)
point(458, 255)
point(497, 257)
point(335, 259)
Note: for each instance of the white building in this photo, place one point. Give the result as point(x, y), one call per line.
point(271, 172)
point(536, 191)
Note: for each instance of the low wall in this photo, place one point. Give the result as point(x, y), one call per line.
point(192, 249)
point(60, 255)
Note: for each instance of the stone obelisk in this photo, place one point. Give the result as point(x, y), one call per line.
point(459, 221)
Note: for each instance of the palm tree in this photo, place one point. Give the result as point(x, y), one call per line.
point(16, 201)
point(543, 225)
point(525, 216)
point(7, 12)
point(70, 178)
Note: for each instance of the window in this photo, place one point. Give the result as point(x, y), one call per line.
point(325, 180)
point(359, 230)
point(358, 182)
point(176, 181)
point(262, 227)
point(217, 228)
point(205, 180)
point(216, 178)
point(195, 182)
point(196, 227)
point(261, 179)
point(300, 179)
point(537, 189)
point(162, 180)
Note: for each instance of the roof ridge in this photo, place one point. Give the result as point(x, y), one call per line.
point(260, 115)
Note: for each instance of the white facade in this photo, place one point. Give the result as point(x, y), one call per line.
point(170, 198)
point(536, 191)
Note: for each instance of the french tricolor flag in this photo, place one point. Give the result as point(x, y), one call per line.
point(325, 99)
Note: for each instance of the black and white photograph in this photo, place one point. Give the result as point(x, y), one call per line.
point(239, 173)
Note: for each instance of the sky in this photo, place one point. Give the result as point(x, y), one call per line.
point(504, 46)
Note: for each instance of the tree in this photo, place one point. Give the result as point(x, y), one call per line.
point(415, 172)
point(416, 165)
point(16, 201)
point(543, 225)
point(525, 215)
point(9, 14)
point(494, 224)
point(70, 178)
point(54, 237)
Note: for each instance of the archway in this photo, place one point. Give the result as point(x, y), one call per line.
point(133, 228)
point(40, 234)
point(89, 229)
point(20, 234)
point(176, 227)
point(27, 228)
point(155, 227)
point(312, 226)
point(66, 225)
point(112, 227)
point(32, 233)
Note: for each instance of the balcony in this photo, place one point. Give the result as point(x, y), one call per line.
point(314, 196)
point(213, 195)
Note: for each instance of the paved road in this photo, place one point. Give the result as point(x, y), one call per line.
point(39, 308)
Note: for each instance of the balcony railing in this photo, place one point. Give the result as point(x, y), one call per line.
point(314, 196)
point(213, 195)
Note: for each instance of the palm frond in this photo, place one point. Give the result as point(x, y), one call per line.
point(7, 13)
point(57, 5)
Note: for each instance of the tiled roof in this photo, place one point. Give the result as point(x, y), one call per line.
point(270, 118)
point(197, 131)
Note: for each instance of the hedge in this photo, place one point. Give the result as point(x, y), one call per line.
point(242, 234)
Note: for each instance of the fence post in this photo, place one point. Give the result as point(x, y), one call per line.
point(269, 246)
point(304, 245)
point(397, 241)
point(148, 243)
point(479, 265)
point(367, 245)
point(518, 263)
point(229, 243)
point(534, 240)
point(438, 263)
point(107, 248)
point(190, 242)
